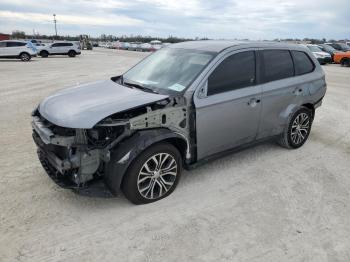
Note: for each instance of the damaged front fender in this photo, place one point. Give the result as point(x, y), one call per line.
point(128, 150)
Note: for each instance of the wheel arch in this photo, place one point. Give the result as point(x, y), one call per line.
point(311, 107)
point(24, 52)
point(127, 151)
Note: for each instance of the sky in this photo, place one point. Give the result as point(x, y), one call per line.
point(216, 19)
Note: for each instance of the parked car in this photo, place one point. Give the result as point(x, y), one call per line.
point(156, 45)
point(17, 49)
point(339, 46)
point(322, 57)
point(342, 58)
point(60, 48)
point(124, 45)
point(180, 106)
point(134, 46)
point(146, 47)
point(328, 49)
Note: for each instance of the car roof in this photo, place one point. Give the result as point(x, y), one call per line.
point(220, 45)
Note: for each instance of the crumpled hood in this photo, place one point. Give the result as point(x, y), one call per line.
point(85, 105)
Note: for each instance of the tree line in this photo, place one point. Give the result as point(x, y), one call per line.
point(146, 39)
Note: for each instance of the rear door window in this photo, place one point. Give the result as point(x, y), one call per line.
point(302, 62)
point(15, 44)
point(236, 71)
point(2, 44)
point(278, 64)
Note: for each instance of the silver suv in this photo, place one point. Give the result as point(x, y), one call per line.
point(179, 107)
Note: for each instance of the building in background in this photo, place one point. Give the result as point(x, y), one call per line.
point(4, 36)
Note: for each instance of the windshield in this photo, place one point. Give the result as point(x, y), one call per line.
point(169, 69)
point(314, 48)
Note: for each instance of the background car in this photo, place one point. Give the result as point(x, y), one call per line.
point(322, 57)
point(156, 45)
point(342, 58)
point(60, 48)
point(17, 49)
point(134, 46)
point(328, 49)
point(339, 46)
point(146, 47)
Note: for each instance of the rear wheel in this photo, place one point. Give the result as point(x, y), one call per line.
point(153, 175)
point(44, 53)
point(25, 57)
point(72, 53)
point(298, 129)
point(345, 62)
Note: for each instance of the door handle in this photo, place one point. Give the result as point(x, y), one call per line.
point(253, 102)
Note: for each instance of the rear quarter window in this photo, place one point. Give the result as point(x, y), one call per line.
point(303, 63)
point(278, 64)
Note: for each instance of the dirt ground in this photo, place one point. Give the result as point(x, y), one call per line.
point(265, 203)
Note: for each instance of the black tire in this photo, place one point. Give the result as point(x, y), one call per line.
point(345, 62)
point(131, 184)
point(290, 137)
point(25, 57)
point(44, 53)
point(72, 53)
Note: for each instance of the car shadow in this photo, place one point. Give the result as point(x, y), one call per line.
point(100, 193)
point(17, 60)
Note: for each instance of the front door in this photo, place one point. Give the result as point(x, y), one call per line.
point(228, 113)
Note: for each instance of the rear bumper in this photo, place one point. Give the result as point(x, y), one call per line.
point(325, 60)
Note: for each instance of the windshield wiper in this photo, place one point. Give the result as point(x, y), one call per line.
point(138, 86)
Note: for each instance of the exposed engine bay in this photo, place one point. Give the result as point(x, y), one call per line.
point(73, 156)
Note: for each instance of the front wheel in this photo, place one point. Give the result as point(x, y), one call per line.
point(25, 57)
point(72, 53)
point(345, 62)
point(298, 129)
point(153, 175)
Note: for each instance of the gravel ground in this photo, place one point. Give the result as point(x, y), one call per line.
point(265, 203)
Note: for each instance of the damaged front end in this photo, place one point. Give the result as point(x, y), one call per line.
point(75, 158)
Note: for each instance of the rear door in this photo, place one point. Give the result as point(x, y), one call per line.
point(14, 48)
point(228, 111)
point(282, 91)
point(65, 47)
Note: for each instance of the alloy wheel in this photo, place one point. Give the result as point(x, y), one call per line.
point(25, 57)
point(157, 176)
point(300, 128)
